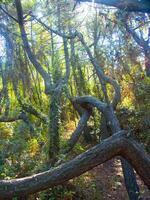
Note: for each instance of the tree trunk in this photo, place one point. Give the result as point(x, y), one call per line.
point(130, 180)
point(128, 172)
point(54, 139)
point(117, 145)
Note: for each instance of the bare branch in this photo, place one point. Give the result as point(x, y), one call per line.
point(49, 29)
point(8, 14)
point(128, 5)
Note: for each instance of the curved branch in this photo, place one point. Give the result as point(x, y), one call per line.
point(88, 101)
point(128, 5)
point(102, 77)
point(84, 106)
point(32, 57)
point(116, 145)
point(76, 134)
point(139, 40)
point(98, 70)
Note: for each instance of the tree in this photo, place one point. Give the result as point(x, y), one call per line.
point(56, 81)
point(118, 144)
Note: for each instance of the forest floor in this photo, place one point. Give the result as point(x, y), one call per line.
point(106, 183)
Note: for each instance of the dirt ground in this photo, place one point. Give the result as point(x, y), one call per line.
point(108, 179)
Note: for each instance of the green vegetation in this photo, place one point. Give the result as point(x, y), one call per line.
point(52, 54)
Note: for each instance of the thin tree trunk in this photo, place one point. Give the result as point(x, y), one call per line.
point(53, 133)
point(128, 172)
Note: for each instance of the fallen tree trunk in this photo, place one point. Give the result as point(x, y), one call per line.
point(117, 145)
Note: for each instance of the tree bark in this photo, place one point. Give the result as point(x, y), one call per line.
point(110, 114)
point(78, 131)
point(117, 145)
point(53, 133)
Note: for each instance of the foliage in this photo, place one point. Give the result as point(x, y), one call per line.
point(25, 142)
